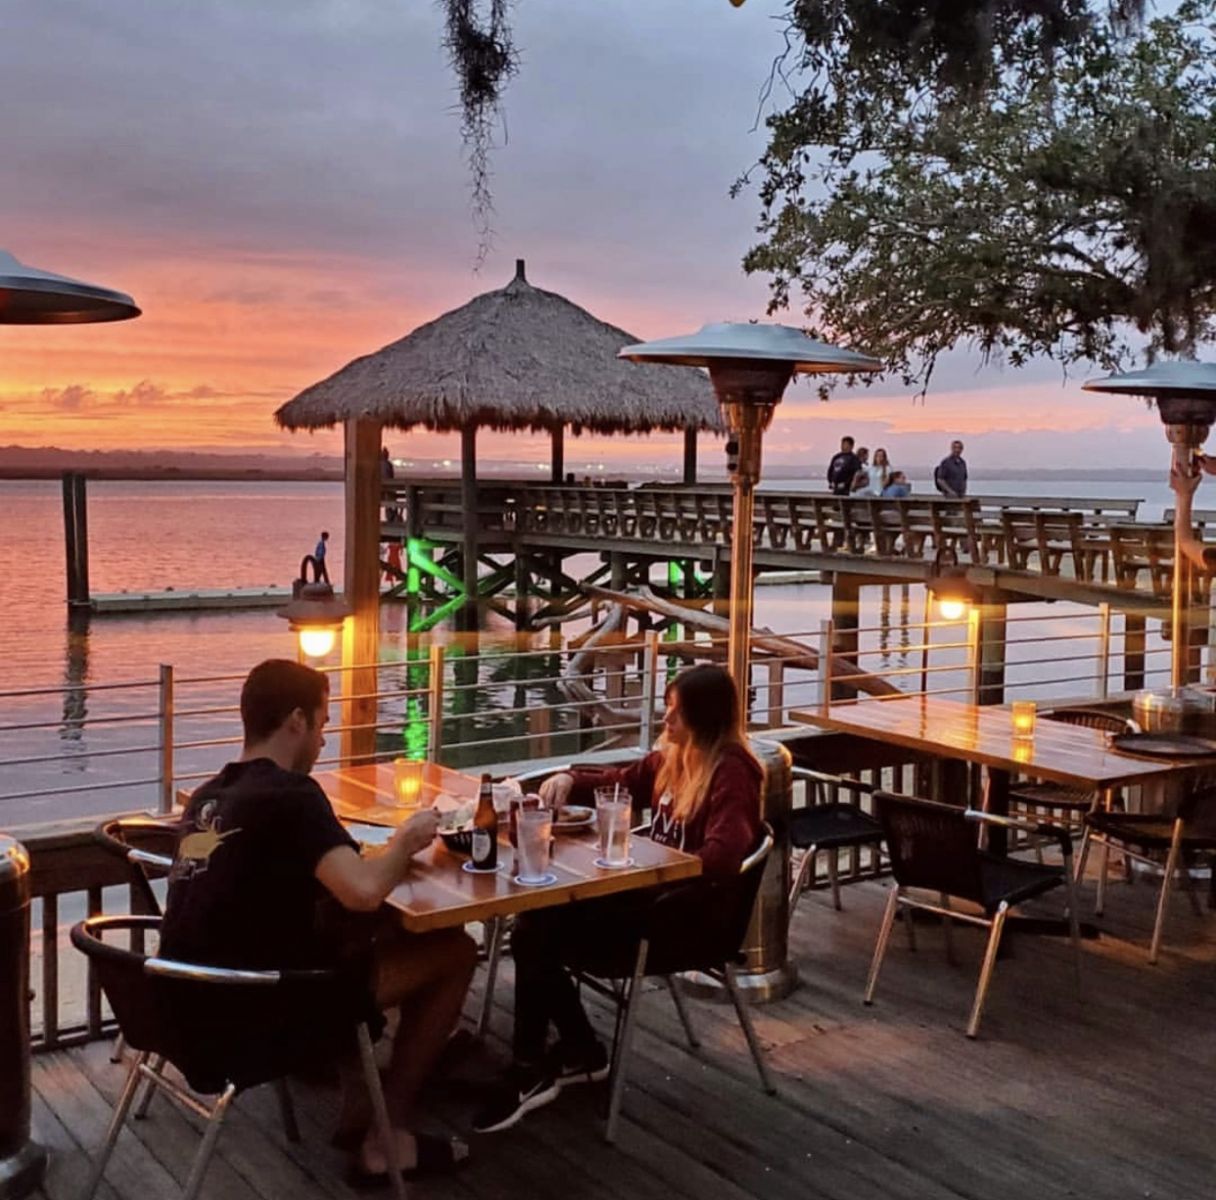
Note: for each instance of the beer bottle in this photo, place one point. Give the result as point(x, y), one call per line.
point(485, 828)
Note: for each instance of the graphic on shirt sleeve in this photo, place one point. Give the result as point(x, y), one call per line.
point(194, 851)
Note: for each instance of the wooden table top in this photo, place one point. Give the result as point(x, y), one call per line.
point(1060, 753)
point(438, 894)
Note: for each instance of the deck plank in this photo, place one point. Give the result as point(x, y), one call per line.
point(1102, 1096)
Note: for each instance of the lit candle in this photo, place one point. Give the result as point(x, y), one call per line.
point(1023, 719)
point(407, 781)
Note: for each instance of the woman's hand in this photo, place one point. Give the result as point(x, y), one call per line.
point(1184, 480)
point(555, 791)
point(419, 831)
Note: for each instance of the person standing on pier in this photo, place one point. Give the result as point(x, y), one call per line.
point(318, 556)
point(387, 474)
point(843, 467)
point(950, 478)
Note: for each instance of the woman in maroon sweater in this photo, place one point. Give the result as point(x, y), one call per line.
point(702, 787)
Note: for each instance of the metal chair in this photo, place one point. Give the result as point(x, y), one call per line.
point(1144, 837)
point(831, 827)
point(1071, 803)
point(224, 1030)
point(933, 847)
point(147, 846)
point(695, 926)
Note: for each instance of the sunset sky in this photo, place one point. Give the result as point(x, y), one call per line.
point(280, 185)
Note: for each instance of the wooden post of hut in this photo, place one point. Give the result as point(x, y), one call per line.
point(361, 588)
point(468, 501)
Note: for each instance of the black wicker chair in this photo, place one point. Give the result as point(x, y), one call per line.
point(1147, 837)
point(224, 1030)
point(830, 827)
point(933, 847)
point(693, 926)
point(1058, 802)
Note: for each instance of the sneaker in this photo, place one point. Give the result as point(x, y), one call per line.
point(520, 1091)
point(584, 1065)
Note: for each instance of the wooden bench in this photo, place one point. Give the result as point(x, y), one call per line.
point(1049, 536)
point(1143, 547)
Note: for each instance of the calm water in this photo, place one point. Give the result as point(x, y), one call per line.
point(150, 536)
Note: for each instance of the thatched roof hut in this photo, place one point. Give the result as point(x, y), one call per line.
point(516, 358)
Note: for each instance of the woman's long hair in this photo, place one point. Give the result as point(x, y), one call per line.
point(710, 709)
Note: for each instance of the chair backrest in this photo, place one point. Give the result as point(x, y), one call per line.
point(1092, 718)
point(147, 846)
point(214, 1024)
point(931, 845)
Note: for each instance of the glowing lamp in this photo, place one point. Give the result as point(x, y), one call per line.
point(1023, 720)
point(949, 584)
point(407, 781)
point(315, 615)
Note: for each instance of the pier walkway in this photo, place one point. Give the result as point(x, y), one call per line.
point(1091, 551)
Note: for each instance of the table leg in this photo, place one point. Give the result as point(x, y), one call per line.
point(996, 801)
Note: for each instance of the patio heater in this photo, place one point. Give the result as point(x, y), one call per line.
point(1185, 394)
point(749, 367)
point(29, 296)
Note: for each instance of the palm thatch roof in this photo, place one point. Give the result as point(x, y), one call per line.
point(515, 358)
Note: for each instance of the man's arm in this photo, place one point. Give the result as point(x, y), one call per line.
point(1184, 483)
point(361, 884)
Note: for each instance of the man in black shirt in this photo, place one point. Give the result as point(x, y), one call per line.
point(843, 468)
point(264, 847)
point(950, 477)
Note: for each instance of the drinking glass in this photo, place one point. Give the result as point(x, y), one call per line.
point(407, 782)
point(534, 831)
point(613, 814)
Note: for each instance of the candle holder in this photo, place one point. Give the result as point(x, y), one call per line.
point(1023, 720)
point(407, 782)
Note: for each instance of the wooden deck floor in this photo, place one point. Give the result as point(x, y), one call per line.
point(1110, 1098)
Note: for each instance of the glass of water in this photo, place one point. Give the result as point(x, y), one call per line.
point(534, 833)
point(613, 815)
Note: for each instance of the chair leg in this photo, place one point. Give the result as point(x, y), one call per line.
point(1171, 865)
point(1103, 871)
point(880, 947)
point(120, 1115)
point(677, 996)
point(493, 954)
point(910, 928)
point(118, 1049)
point(749, 1030)
point(287, 1111)
point(371, 1080)
point(981, 991)
point(211, 1134)
point(623, 1042)
point(948, 928)
point(834, 877)
point(156, 1067)
point(807, 865)
point(1083, 855)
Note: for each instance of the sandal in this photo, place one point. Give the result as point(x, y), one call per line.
point(436, 1156)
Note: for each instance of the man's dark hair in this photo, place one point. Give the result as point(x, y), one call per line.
point(274, 690)
point(849, 440)
point(324, 535)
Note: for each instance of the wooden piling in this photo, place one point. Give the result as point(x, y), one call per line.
point(76, 538)
point(846, 617)
point(1133, 651)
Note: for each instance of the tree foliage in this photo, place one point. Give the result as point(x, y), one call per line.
point(1045, 200)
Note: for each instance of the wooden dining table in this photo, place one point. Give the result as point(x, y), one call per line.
point(437, 893)
point(934, 726)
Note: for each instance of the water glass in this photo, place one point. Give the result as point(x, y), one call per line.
point(534, 831)
point(613, 814)
point(407, 782)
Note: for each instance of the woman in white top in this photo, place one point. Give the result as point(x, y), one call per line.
point(872, 478)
